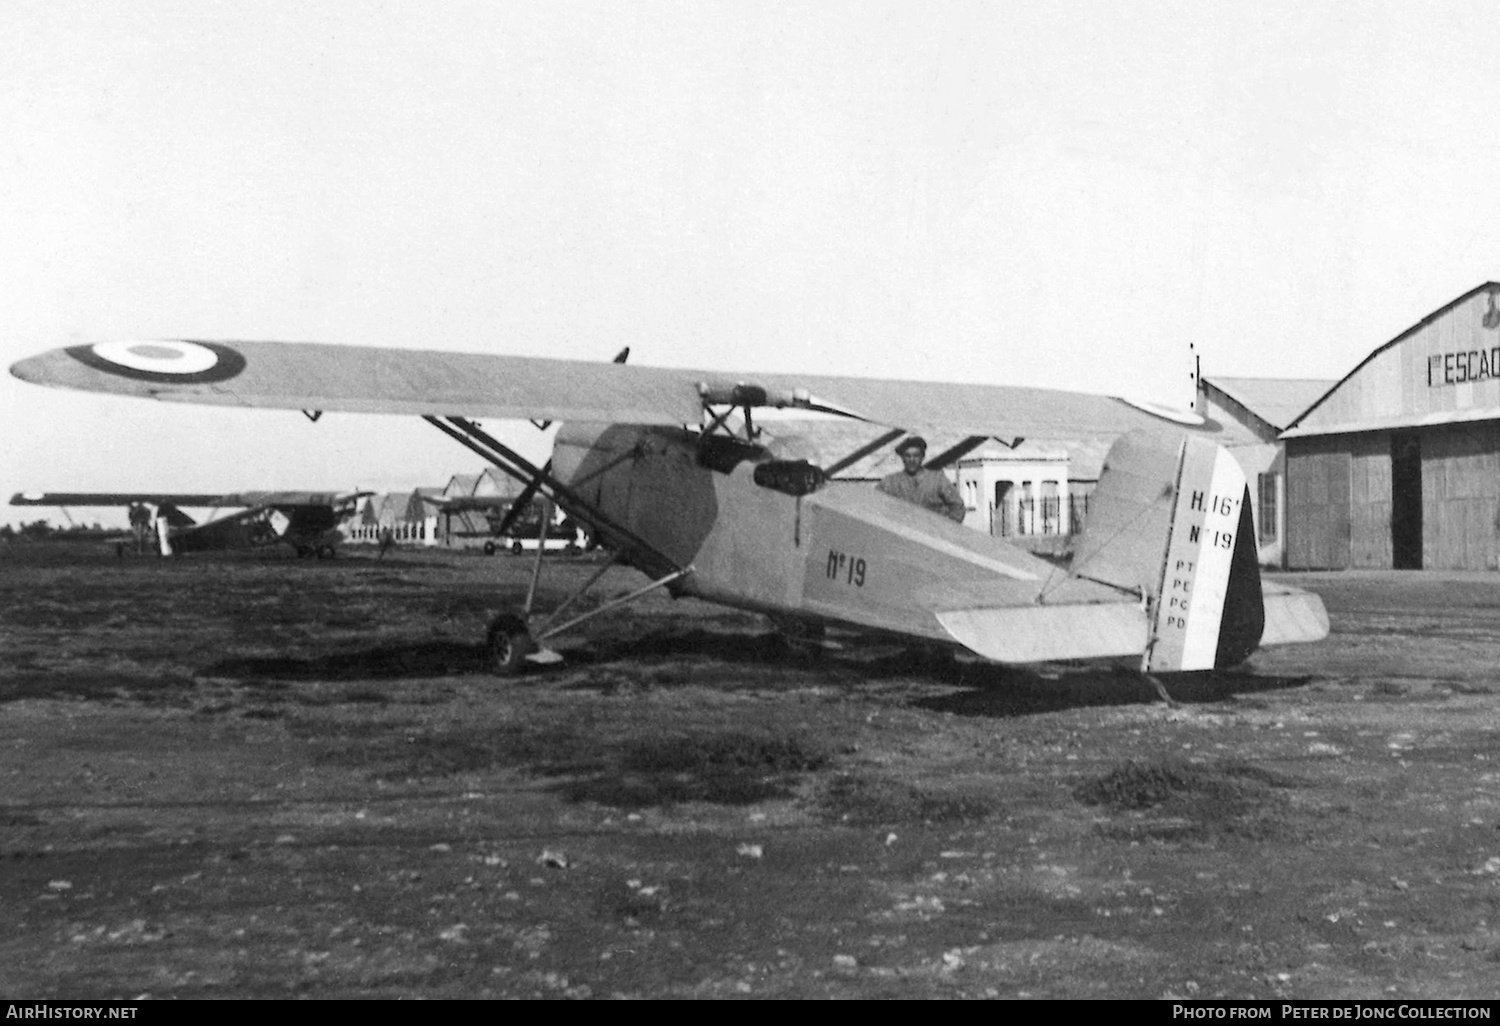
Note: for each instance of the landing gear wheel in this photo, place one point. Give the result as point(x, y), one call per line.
point(325, 551)
point(515, 548)
point(509, 644)
point(489, 548)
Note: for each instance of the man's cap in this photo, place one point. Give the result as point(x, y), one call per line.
point(912, 442)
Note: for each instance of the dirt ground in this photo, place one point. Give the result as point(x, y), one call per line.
point(250, 776)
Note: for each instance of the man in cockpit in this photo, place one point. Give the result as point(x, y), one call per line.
point(929, 489)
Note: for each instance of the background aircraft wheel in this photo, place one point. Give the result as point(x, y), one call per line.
point(325, 551)
point(489, 548)
point(509, 644)
point(515, 548)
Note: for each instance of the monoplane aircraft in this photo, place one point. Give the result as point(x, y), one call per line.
point(307, 521)
point(513, 525)
point(670, 472)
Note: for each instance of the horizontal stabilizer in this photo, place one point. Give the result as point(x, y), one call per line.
point(1034, 634)
point(1292, 615)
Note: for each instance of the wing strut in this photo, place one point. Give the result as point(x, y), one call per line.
point(523, 500)
point(956, 452)
point(864, 450)
point(477, 440)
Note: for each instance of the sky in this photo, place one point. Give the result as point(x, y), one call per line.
point(1065, 195)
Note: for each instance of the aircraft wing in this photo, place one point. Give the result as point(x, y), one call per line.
point(273, 500)
point(292, 500)
point(121, 499)
point(357, 379)
point(480, 503)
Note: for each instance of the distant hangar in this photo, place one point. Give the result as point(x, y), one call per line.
point(1398, 464)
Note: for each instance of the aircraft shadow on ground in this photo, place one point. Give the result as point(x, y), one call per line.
point(1004, 691)
point(981, 689)
point(989, 689)
point(427, 659)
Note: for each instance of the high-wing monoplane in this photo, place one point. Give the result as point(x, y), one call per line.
point(512, 526)
point(307, 521)
point(672, 474)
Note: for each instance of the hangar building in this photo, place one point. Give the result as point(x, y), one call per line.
point(1398, 465)
point(1262, 407)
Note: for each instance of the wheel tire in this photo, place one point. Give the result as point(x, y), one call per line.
point(508, 644)
point(515, 548)
point(489, 548)
point(325, 551)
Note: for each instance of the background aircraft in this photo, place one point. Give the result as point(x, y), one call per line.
point(515, 524)
point(307, 521)
point(670, 473)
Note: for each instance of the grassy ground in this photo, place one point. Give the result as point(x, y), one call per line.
point(254, 777)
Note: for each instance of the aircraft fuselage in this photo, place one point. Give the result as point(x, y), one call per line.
point(843, 552)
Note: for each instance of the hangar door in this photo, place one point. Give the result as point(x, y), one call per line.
point(1317, 488)
point(1406, 500)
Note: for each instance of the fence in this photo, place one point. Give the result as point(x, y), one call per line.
point(1035, 515)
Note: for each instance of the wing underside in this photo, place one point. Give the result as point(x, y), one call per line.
point(119, 499)
point(355, 379)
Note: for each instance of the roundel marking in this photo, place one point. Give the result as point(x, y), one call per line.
point(163, 360)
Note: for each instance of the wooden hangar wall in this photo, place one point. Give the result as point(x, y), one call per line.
point(1398, 466)
point(1261, 407)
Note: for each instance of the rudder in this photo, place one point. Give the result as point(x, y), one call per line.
point(1171, 521)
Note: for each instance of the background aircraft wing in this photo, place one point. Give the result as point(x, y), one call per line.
point(356, 379)
point(287, 500)
point(121, 499)
point(480, 503)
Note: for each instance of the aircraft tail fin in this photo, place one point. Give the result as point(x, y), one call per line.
point(1171, 521)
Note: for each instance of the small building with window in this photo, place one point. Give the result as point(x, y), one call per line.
point(1030, 491)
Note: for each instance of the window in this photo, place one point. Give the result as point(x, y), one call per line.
point(1268, 516)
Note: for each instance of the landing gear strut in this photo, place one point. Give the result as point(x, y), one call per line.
point(510, 642)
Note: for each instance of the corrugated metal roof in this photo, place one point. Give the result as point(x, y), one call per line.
point(493, 482)
point(460, 484)
point(1277, 401)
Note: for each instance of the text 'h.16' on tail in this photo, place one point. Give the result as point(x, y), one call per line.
point(1171, 519)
